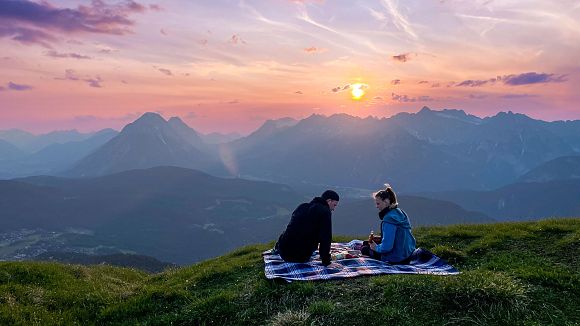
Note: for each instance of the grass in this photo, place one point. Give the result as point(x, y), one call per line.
point(512, 274)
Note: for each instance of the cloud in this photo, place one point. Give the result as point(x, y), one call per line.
point(105, 49)
point(339, 89)
point(162, 31)
point(15, 87)
point(377, 98)
point(233, 102)
point(155, 7)
point(477, 96)
point(434, 85)
point(406, 99)
point(404, 57)
point(532, 78)
point(236, 39)
point(165, 71)
point(517, 96)
point(129, 117)
point(476, 83)
point(423, 82)
point(94, 82)
point(313, 50)
point(26, 35)
point(34, 22)
point(515, 80)
point(55, 54)
point(18, 87)
point(395, 82)
point(202, 42)
point(298, 92)
point(399, 20)
point(70, 74)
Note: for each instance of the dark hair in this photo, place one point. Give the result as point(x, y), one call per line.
point(386, 193)
point(330, 194)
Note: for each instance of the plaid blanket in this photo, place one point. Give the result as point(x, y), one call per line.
point(422, 262)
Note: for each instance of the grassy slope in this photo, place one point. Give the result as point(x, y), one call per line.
point(512, 273)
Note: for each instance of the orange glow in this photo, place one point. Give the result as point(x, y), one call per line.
point(357, 91)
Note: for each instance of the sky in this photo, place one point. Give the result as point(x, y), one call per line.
point(227, 66)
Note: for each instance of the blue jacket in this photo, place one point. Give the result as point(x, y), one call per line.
point(397, 241)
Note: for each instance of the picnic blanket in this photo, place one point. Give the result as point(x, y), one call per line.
point(422, 262)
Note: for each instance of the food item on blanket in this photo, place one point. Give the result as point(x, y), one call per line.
point(338, 256)
point(354, 253)
point(346, 254)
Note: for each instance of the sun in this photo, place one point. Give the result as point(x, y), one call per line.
point(357, 91)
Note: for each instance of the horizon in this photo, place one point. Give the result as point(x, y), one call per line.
point(263, 122)
point(247, 61)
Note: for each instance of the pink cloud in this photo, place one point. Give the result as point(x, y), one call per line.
point(404, 57)
point(313, 50)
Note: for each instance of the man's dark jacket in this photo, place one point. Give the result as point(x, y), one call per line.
point(309, 226)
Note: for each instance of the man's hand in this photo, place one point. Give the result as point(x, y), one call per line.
point(373, 246)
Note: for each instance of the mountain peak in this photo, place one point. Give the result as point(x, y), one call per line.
point(146, 121)
point(179, 124)
point(150, 117)
point(510, 116)
point(282, 122)
point(459, 115)
point(186, 132)
point(176, 120)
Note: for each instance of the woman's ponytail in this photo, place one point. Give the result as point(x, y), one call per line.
point(389, 194)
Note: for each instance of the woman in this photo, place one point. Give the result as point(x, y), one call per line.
point(396, 243)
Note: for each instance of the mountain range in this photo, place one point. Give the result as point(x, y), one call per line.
point(429, 150)
point(52, 157)
point(30, 143)
point(425, 151)
point(520, 201)
point(561, 168)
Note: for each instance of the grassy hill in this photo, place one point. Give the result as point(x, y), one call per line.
point(512, 273)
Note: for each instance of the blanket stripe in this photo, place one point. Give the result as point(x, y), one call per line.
point(422, 262)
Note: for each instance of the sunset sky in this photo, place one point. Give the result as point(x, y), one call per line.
point(229, 65)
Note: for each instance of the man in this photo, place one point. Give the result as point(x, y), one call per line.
point(310, 228)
